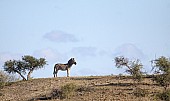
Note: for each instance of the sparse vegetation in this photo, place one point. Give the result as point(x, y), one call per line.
point(67, 92)
point(80, 89)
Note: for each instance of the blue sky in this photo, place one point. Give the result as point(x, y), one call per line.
point(92, 31)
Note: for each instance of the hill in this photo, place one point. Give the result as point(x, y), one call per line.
point(92, 88)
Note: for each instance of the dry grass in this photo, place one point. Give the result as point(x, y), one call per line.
point(93, 88)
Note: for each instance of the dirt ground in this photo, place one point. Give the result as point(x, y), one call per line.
point(92, 88)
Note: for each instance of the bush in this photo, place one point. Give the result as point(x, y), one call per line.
point(162, 71)
point(165, 95)
point(68, 90)
point(162, 80)
point(3, 79)
point(6, 78)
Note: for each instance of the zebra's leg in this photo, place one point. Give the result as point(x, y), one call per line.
point(54, 71)
point(68, 72)
point(54, 74)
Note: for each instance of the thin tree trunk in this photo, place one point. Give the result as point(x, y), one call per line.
point(21, 75)
point(29, 74)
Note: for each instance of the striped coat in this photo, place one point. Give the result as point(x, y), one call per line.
point(64, 67)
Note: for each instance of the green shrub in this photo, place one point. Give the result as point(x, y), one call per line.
point(6, 78)
point(68, 90)
point(162, 71)
point(162, 80)
point(165, 95)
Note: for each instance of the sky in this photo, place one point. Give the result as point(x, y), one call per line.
point(94, 32)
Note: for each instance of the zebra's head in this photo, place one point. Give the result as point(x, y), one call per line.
point(72, 61)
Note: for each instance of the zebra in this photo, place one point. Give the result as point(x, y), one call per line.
point(64, 67)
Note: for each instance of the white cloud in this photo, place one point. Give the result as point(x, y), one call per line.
point(84, 51)
point(60, 36)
